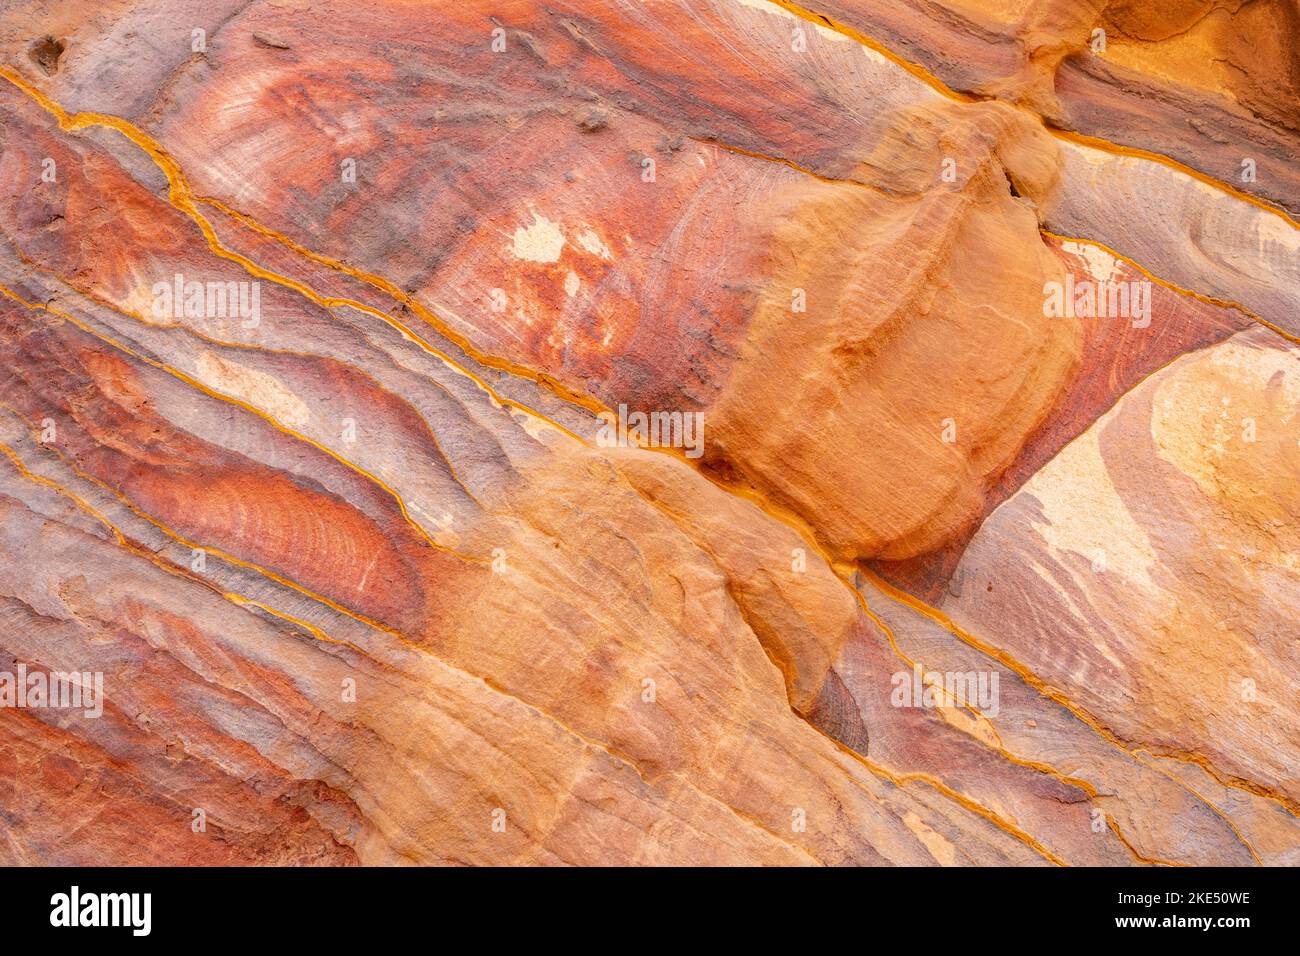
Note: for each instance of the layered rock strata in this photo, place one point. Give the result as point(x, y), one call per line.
point(365, 582)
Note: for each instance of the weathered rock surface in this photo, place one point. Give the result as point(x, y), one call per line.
point(1206, 83)
point(1184, 474)
point(363, 579)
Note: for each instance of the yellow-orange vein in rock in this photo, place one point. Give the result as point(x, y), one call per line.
point(72, 496)
point(158, 562)
point(1241, 837)
point(223, 343)
point(220, 396)
point(1037, 765)
point(212, 549)
point(903, 779)
point(1174, 287)
point(934, 614)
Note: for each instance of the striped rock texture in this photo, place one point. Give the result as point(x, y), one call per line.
point(317, 320)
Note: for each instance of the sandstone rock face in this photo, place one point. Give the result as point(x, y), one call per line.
point(1205, 83)
point(966, 532)
point(1184, 473)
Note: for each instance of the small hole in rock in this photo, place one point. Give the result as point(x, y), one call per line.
point(45, 54)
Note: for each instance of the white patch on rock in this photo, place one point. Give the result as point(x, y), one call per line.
point(1103, 266)
point(541, 241)
point(591, 242)
point(254, 388)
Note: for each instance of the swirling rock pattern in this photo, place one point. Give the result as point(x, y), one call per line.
point(366, 582)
